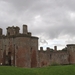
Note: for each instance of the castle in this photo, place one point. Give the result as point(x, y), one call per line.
point(21, 50)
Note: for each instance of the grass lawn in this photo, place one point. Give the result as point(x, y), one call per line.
point(51, 70)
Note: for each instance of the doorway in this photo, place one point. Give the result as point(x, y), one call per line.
point(9, 58)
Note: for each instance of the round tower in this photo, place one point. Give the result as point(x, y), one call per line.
point(71, 51)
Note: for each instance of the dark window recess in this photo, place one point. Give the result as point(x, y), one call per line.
point(31, 48)
point(9, 53)
point(50, 56)
point(16, 47)
point(8, 33)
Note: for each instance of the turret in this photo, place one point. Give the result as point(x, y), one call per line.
point(0, 31)
point(25, 30)
point(13, 30)
point(71, 47)
point(55, 48)
point(48, 49)
point(71, 51)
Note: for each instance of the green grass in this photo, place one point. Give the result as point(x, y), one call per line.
point(51, 70)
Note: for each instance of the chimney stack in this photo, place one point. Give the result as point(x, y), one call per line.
point(25, 30)
point(55, 48)
point(0, 31)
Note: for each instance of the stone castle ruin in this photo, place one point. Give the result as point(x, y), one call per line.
point(21, 50)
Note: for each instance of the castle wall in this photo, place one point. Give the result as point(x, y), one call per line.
point(6, 47)
point(43, 58)
point(23, 51)
point(53, 57)
point(59, 57)
point(71, 51)
point(19, 50)
point(1, 54)
point(34, 52)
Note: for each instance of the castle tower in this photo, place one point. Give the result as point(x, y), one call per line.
point(0, 31)
point(25, 30)
point(71, 47)
point(55, 48)
point(71, 51)
point(13, 30)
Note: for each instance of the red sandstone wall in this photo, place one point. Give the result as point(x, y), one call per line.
point(1, 57)
point(71, 51)
point(7, 46)
point(23, 51)
point(34, 52)
point(49, 58)
point(71, 57)
point(60, 57)
point(1, 51)
point(43, 58)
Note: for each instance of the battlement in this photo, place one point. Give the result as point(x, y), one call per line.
point(12, 30)
point(15, 31)
point(48, 49)
point(71, 47)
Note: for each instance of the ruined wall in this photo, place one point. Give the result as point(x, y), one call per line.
point(71, 52)
point(44, 57)
point(7, 46)
point(12, 30)
point(1, 52)
point(23, 51)
point(34, 52)
point(19, 50)
point(49, 57)
point(59, 57)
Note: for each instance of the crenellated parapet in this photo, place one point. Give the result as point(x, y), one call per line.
point(71, 51)
point(71, 47)
point(41, 48)
point(48, 49)
point(12, 30)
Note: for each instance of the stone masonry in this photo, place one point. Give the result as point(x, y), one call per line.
point(21, 50)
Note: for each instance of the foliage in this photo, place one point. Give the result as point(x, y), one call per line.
point(51, 70)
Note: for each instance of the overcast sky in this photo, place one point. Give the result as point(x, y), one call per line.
point(50, 20)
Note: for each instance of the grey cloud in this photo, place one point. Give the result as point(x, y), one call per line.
point(22, 5)
point(25, 4)
point(54, 21)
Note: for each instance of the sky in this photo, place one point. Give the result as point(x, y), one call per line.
point(53, 21)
